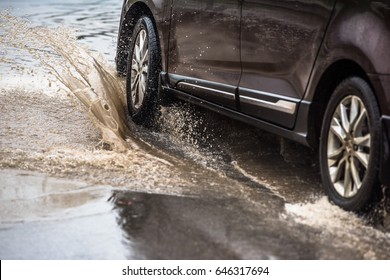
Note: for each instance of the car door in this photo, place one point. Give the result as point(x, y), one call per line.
point(280, 41)
point(204, 49)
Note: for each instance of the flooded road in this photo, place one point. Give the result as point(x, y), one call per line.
point(48, 218)
point(77, 183)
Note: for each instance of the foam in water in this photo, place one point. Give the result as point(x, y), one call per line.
point(319, 213)
point(82, 72)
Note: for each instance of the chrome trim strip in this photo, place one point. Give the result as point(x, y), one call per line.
point(284, 106)
point(228, 95)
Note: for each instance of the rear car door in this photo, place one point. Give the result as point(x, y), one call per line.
point(280, 41)
point(204, 49)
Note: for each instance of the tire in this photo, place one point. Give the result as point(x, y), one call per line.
point(144, 67)
point(350, 145)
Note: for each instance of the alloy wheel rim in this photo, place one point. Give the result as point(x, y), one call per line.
point(349, 145)
point(139, 69)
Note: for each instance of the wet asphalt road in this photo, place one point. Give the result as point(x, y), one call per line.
point(65, 219)
point(43, 217)
point(200, 187)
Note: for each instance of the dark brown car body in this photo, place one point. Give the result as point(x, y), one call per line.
point(273, 64)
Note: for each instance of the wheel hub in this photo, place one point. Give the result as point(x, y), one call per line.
point(139, 69)
point(348, 146)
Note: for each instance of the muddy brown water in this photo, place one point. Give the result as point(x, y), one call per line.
point(75, 171)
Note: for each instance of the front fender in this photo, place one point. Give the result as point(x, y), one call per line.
point(132, 10)
point(359, 31)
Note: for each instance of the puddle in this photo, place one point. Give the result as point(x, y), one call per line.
point(45, 217)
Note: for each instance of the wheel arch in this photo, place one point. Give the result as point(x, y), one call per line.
point(131, 13)
point(331, 77)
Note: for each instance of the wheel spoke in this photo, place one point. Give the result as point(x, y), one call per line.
point(134, 92)
point(145, 69)
point(363, 158)
point(354, 110)
point(363, 141)
point(336, 154)
point(143, 82)
point(137, 52)
point(145, 56)
point(142, 37)
point(360, 121)
point(338, 130)
point(355, 174)
point(344, 117)
point(140, 93)
point(347, 179)
point(134, 81)
point(134, 65)
point(336, 171)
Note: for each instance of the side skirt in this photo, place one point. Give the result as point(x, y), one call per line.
point(299, 134)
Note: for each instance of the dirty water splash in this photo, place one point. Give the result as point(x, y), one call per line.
point(86, 75)
point(80, 71)
point(130, 161)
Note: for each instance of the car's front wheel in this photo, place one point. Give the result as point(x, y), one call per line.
point(350, 144)
point(144, 67)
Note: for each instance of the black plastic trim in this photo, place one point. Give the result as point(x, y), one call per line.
point(297, 135)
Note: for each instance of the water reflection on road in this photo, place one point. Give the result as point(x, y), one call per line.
point(48, 218)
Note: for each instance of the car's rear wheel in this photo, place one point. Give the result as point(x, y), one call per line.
point(350, 145)
point(144, 67)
